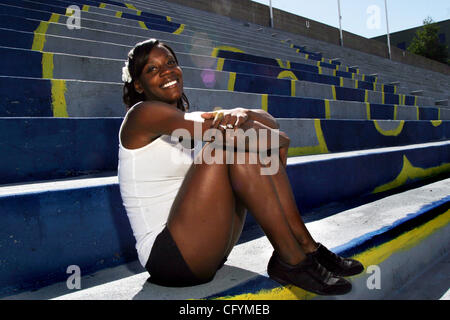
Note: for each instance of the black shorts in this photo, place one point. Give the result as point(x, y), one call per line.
point(166, 265)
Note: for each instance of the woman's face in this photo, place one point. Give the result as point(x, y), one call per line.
point(161, 78)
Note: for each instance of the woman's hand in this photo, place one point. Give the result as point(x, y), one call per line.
point(227, 119)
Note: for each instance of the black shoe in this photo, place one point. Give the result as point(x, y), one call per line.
point(308, 275)
point(338, 265)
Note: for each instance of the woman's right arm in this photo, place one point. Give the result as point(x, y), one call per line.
point(154, 118)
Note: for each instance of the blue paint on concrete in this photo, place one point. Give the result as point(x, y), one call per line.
point(347, 135)
point(51, 148)
point(52, 230)
point(399, 227)
point(20, 63)
point(427, 113)
point(357, 175)
point(21, 97)
point(381, 111)
point(294, 107)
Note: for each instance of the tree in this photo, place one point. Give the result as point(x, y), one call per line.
point(426, 42)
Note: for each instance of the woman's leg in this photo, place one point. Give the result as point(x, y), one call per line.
point(287, 200)
point(202, 220)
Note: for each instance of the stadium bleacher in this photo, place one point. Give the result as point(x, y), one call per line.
point(369, 160)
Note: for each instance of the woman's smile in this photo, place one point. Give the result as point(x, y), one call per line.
point(170, 84)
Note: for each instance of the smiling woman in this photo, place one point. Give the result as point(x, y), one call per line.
point(187, 214)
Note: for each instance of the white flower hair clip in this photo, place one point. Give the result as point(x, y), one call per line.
point(126, 77)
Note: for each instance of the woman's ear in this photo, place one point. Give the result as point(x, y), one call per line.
point(138, 86)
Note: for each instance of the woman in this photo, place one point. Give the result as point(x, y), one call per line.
point(187, 215)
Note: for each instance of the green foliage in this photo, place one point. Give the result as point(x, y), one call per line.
point(426, 42)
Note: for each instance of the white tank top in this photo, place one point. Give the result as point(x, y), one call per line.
point(149, 180)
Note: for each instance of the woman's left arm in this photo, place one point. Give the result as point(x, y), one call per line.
point(262, 117)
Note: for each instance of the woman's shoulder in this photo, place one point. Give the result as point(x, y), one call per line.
point(151, 108)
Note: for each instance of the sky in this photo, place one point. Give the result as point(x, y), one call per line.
point(367, 18)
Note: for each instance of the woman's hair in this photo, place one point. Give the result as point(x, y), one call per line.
point(137, 59)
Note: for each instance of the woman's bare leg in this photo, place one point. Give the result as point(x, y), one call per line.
point(202, 220)
point(287, 200)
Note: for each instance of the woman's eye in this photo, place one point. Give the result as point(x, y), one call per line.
point(171, 62)
point(152, 69)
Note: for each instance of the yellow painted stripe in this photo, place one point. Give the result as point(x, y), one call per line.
point(39, 36)
point(375, 86)
point(333, 91)
point(334, 72)
point(353, 76)
point(306, 56)
point(168, 18)
point(372, 256)
point(286, 74)
point(225, 48)
point(439, 113)
point(436, 123)
point(404, 242)
point(231, 81)
point(220, 63)
point(130, 6)
point(293, 88)
point(102, 5)
point(409, 172)
point(366, 96)
point(138, 12)
point(416, 101)
point(363, 77)
point(341, 81)
point(368, 111)
point(119, 14)
point(320, 70)
point(281, 64)
point(390, 133)
point(417, 113)
point(318, 149)
point(143, 25)
point(395, 111)
point(47, 65)
point(265, 102)
point(85, 8)
point(327, 109)
point(383, 98)
point(54, 18)
point(59, 104)
point(180, 29)
point(356, 84)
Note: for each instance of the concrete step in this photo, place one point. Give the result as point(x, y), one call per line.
point(84, 222)
point(390, 71)
point(389, 235)
point(244, 44)
point(191, 59)
point(37, 97)
point(53, 66)
point(37, 148)
point(91, 31)
point(126, 18)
